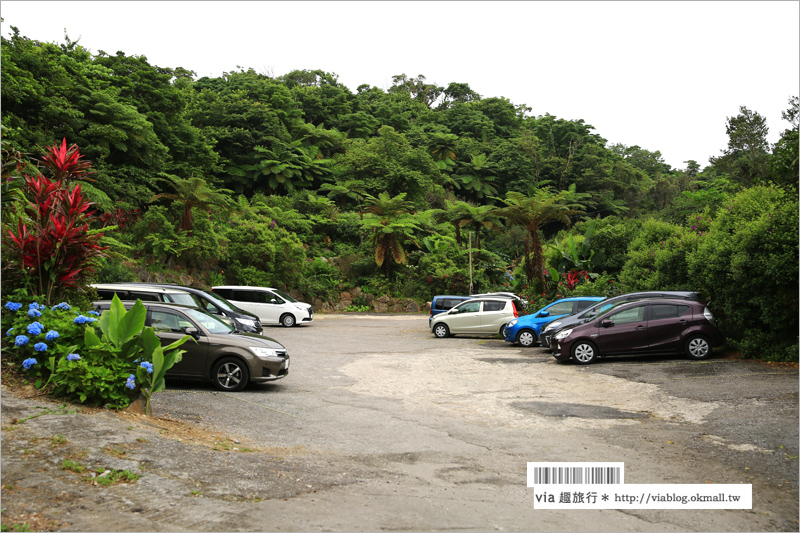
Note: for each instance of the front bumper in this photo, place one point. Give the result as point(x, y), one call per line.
point(271, 368)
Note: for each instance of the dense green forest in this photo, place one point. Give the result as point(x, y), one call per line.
point(298, 182)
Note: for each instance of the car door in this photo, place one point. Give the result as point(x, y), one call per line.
point(169, 327)
point(624, 331)
point(665, 324)
point(465, 318)
point(254, 301)
point(554, 311)
point(494, 315)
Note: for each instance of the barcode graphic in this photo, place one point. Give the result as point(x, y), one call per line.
point(575, 473)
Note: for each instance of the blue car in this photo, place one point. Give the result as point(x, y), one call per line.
point(525, 330)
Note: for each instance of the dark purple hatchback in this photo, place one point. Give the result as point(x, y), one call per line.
point(663, 326)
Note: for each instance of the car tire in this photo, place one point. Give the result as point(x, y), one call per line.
point(230, 374)
point(288, 320)
point(584, 352)
point(440, 331)
point(526, 338)
point(502, 331)
point(697, 347)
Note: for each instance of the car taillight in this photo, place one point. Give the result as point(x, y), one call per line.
point(516, 313)
point(709, 316)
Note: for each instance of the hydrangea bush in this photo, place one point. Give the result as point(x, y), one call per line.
point(60, 347)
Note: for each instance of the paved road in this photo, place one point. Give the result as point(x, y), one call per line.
point(403, 431)
point(380, 426)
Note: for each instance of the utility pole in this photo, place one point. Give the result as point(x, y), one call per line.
point(470, 263)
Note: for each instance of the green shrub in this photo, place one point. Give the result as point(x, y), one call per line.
point(747, 263)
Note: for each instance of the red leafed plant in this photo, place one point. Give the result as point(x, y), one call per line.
point(573, 277)
point(51, 250)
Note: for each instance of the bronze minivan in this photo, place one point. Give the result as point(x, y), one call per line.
point(229, 360)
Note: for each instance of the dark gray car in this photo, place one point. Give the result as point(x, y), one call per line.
point(230, 360)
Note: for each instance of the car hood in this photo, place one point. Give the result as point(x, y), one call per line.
point(244, 340)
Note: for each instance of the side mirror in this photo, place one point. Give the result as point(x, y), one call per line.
point(607, 323)
point(543, 314)
point(452, 311)
point(191, 331)
point(273, 301)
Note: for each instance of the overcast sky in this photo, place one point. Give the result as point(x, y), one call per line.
point(661, 75)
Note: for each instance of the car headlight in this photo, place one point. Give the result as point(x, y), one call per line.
point(263, 352)
point(563, 334)
point(552, 325)
point(247, 322)
point(512, 323)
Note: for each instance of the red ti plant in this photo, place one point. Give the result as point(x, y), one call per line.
point(51, 251)
point(573, 277)
point(64, 163)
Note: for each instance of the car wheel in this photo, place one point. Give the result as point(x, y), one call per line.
point(288, 320)
point(697, 347)
point(584, 352)
point(502, 331)
point(230, 374)
point(526, 338)
point(441, 331)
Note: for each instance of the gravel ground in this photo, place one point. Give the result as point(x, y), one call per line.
point(380, 426)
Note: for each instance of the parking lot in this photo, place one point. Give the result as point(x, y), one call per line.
point(381, 426)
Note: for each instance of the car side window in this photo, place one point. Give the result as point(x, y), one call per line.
point(469, 307)
point(660, 311)
point(492, 305)
point(244, 296)
point(628, 316)
point(225, 293)
point(269, 296)
point(561, 308)
point(584, 304)
point(167, 322)
point(448, 303)
point(145, 297)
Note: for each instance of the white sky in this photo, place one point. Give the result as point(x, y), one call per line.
point(661, 75)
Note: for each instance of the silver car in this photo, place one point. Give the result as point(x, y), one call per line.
point(479, 316)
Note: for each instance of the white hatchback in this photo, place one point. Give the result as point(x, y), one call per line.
point(479, 316)
point(272, 306)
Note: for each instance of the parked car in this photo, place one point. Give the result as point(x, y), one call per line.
point(526, 330)
point(217, 305)
point(143, 292)
point(604, 305)
point(271, 306)
point(228, 359)
point(659, 326)
point(441, 303)
point(478, 316)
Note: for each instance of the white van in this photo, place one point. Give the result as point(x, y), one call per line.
point(272, 306)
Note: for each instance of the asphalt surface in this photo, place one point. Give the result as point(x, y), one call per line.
point(380, 426)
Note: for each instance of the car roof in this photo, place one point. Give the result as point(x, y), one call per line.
point(243, 287)
point(581, 299)
point(133, 287)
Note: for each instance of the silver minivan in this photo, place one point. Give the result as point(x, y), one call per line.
point(272, 306)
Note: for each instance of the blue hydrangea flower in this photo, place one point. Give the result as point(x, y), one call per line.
point(51, 335)
point(34, 305)
point(63, 306)
point(73, 357)
point(21, 340)
point(28, 363)
point(147, 366)
point(35, 328)
point(80, 319)
point(40, 347)
point(95, 313)
point(34, 313)
point(131, 382)
point(12, 306)
point(8, 333)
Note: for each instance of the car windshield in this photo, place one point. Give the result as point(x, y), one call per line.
point(210, 322)
point(219, 301)
point(284, 295)
point(184, 298)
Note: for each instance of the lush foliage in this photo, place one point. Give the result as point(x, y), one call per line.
point(297, 181)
